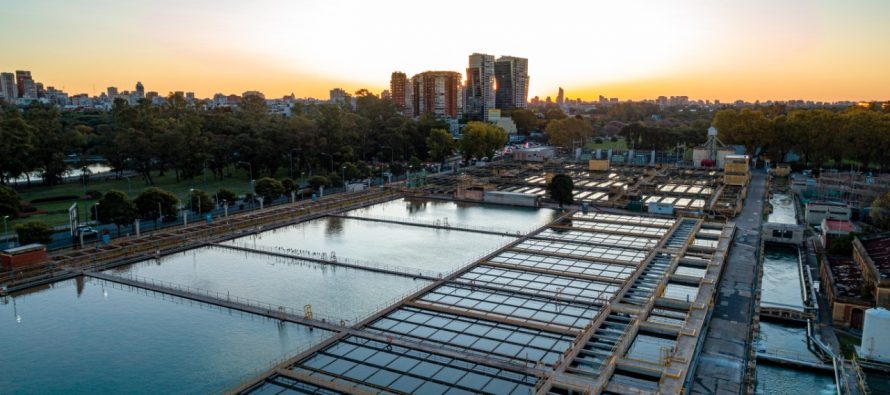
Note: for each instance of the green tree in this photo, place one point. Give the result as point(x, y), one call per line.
point(34, 232)
point(569, 132)
point(561, 189)
point(15, 143)
point(440, 144)
point(880, 211)
point(226, 195)
point(147, 203)
point(481, 139)
point(269, 188)
point(10, 203)
point(317, 182)
point(200, 201)
point(526, 121)
point(288, 184)
point(116, 208)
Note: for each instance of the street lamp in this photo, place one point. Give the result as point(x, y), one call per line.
point(5, 230)
point(191, 196)
point(343, 174)
point(96, 206)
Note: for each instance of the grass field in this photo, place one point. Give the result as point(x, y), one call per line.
point(56, 213)
point(606, 144)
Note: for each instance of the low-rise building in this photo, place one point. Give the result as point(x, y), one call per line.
point(26, 255)
point(816, 211)
point(833, 229)
point(842, 282)
point(536, 154)
point(872, 254)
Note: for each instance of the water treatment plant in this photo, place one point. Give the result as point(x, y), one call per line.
point(432, 289)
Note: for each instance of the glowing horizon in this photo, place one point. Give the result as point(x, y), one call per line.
point(759, 50)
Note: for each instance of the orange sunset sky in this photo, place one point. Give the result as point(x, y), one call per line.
point(727, 50)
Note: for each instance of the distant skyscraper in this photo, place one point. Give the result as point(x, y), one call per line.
point(435, 92)
point(402, 92)
point(385, 95)
point(560, 97)
point(112, 92)
point(511, 75)
point(480, 94)
point(21, 76)
point(8, 87)
point(140, 90)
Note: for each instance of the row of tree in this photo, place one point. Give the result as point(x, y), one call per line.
point(188, 141)
point(820, 137)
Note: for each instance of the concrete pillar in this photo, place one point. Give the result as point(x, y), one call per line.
point(652, 162)
point(598, 153)
point(136, 226)
point(609, 155)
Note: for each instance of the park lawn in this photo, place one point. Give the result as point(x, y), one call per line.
point(606, 144)
point(57, 211)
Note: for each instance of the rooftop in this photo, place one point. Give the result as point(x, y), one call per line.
point(838, 225)
point(878, 249)
point(847, 277)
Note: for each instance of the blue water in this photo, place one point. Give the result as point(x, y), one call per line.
point(782, 381)
point(780, 284)
point(88, 337)
point(332, 291)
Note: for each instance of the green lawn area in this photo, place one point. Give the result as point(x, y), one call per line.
point(56, 213)
point(606, 144)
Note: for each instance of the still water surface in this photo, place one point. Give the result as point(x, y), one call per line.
point(332, 291)
point(85, 336)
point(505, 218)
point(381, 243)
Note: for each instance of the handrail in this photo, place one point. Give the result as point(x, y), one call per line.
point(227, 297)
point(333, 258)
point(439, 222)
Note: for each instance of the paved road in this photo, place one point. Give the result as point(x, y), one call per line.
point(724, 355)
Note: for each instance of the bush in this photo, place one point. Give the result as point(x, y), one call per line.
point(316, 182)
point(597, 140)
point(10, 204)
point(200, 201)
point(34, 232)
point(289, 185)
point(227, 195)
point(147, 203)
point(94, 194)
point(614, 139)
point(60, 198)
point(269, 188)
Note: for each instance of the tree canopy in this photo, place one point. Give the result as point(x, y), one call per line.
point(569, 132)
point(561, 189)
point(116, 208)
point(481, 139)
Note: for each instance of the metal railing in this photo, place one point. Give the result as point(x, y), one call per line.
point(441, 223)
point(183, 290)
point(333, 258)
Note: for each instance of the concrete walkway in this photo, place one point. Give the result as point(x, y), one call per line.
point(725, 353)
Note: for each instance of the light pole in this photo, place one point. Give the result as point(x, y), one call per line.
point(5, 230)
point(343, 175)
point(160, 216)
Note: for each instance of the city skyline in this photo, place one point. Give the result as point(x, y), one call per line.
point(822, 51)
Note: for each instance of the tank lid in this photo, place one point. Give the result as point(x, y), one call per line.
point(878, 312)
